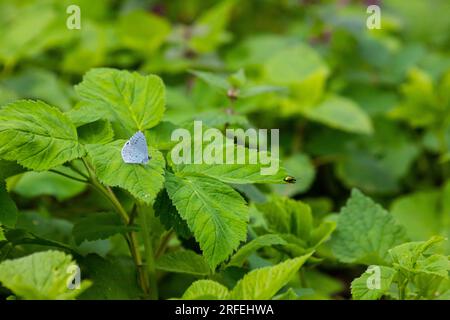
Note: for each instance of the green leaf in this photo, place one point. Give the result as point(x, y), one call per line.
point(240, 171)
point(41, 276)
point(98, 132)
point(35, 184)
point(340, 113)
point(206, 290)
point(267, 240)
point(37, 135)
point(8, 209)
point(9, 169)
point(183, 261)
point(114, 278)
point(132, 101)
point(216, 214)
point(142, 181)
point(211, 27)
point(137, 31)
point(212, 79)
point(365, 232)
point(264, 283)
point(99, 226)
point(169, 215)
point(366, 286)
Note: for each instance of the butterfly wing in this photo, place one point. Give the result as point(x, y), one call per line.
point(135, 150)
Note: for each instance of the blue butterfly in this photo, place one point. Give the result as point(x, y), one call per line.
point(135, 150)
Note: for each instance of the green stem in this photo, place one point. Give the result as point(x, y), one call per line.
point(131, 238)
point(68, 176)
point(163, 245)
point(148, 247)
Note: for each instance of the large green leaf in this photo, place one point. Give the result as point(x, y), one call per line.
point(133, 101)
point(37, 135)
point(41, 276)
point(216, 214)
point(264, 283)
point(142, 181)
point(183, 261)
point(365, 232)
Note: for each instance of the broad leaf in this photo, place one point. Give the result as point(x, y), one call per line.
point(264, 283)
point(98, 132)
point(216, 214)
point(183, 261)
point(365, 232)
point(41, 276)
point(37, 135)
point(132, 101)
point(142, 181)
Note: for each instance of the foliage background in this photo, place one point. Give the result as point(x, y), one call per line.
point(356, 108)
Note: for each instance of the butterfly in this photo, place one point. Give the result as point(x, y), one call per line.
point(135, 150)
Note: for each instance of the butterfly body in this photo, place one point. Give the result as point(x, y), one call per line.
point(135, 150)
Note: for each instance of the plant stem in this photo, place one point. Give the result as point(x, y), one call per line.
point(148, 247)
point(68, 176)
point(163, 245)
point(131, 238)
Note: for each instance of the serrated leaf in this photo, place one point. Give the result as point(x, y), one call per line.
point(169, 215)
point(183, 261)
point(215, 213)
point(99, 226)
point(373, 283)
point(206, 290)
point(245, 251)
point(264, 283)
point(37, 135)
point(264, 168)
point(142, 181)
point(132, 101)
point(8, 208)
point(41, 276)
point(365, 232)
point(98, 132)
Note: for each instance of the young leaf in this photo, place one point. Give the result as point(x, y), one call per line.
point(134, 102)
point(264, 283)
point(365, 232)
point(245, 251)
point(41, 276)
point(183, 261)
point(206, 290)
point(8, 209)
point(37, 135)
point(216, 214)
point(367, 287)
point(142, 181)
point(99, 226)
